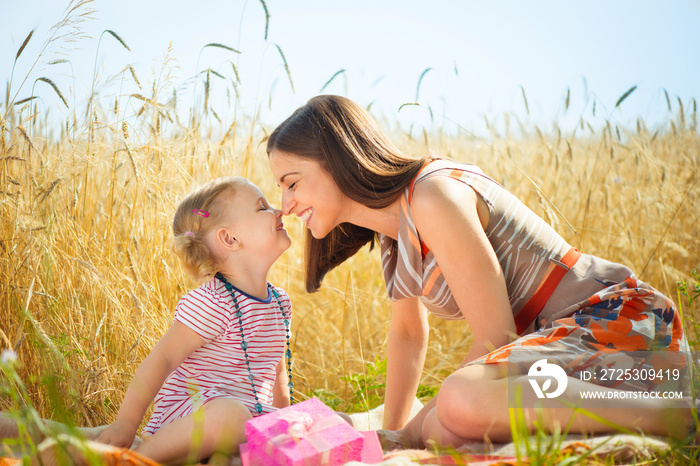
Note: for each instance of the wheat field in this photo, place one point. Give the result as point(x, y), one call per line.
point(89, 282)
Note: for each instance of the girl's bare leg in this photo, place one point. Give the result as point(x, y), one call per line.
point(10, 429)
point(218, 427)
point(50, 451)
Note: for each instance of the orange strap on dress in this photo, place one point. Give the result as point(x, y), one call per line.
point(536, 303)
point(424, 250)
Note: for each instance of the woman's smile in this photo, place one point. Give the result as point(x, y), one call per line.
point(305, 215)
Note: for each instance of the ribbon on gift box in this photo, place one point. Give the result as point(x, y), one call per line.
point(302, 426)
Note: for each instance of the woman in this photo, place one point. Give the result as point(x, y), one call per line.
point(456, 240)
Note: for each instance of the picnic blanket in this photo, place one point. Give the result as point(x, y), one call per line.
point(609, 449)
point(612, 449)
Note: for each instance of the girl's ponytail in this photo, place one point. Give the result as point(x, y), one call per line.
point(194, 254)
point(194, 218)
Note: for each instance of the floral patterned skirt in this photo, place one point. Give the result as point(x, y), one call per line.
point(627, 336)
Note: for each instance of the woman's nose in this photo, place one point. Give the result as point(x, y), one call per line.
point(288, 202)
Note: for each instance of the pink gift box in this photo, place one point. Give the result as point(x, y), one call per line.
point(305, 434)
point(371, 450)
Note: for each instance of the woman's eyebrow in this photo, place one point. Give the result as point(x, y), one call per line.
point(286, 175)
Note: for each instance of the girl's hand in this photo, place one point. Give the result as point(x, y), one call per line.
point(117, 435)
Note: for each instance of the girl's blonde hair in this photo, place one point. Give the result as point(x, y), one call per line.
point(197, 215)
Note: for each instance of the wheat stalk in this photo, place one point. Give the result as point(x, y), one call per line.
point(527, 107)
point(26, 137)
point(116, 36)
point(24, 44)
point(267, 17)
point(221, 46)
point(55, 88)
point(133, 75)
point(286, 66)
point(335, 75)
point(625, 95)
point(420, 80)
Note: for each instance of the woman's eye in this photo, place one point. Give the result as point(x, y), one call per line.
point(291, 186)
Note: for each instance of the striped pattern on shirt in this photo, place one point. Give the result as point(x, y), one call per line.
point(218, 368)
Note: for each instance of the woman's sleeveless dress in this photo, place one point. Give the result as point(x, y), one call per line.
point(598, 312)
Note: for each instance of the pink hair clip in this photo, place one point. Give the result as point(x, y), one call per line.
point(190, 234)
point(201, 213)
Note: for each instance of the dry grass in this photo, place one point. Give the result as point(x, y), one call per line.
point(89, 282)
point(88, 277)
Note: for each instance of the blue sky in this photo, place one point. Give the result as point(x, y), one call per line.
point(479, 55)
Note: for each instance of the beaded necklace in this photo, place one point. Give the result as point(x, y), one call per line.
point(244, 344)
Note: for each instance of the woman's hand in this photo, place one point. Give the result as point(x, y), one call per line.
point(118, 435)
point(406, 348)
point(398, 440)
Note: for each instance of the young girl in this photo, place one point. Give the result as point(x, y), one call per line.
point(226, 357)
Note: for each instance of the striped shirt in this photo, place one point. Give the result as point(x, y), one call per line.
point(218, 368)
point(524, 243)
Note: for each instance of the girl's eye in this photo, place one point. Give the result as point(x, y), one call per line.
point(291, 186)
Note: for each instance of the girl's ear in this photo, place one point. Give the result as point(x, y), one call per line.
point(227, 240)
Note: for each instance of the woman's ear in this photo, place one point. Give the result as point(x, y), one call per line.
point(226, 239)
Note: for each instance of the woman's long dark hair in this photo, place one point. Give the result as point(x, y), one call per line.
point(341, 137)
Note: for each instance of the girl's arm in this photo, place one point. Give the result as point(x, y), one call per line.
point(408, 341)
point(280, 391)
point(177, 343)
point(451, 219)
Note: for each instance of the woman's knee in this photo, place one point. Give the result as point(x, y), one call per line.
point(434, 433)
point(468, 397)
point(458, 396)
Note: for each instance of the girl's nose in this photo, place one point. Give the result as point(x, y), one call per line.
point(288, 202)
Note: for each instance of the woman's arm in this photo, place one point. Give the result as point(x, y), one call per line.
point(177, 343)
point(280, 391)
point(408, 341)
point(447, 214)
